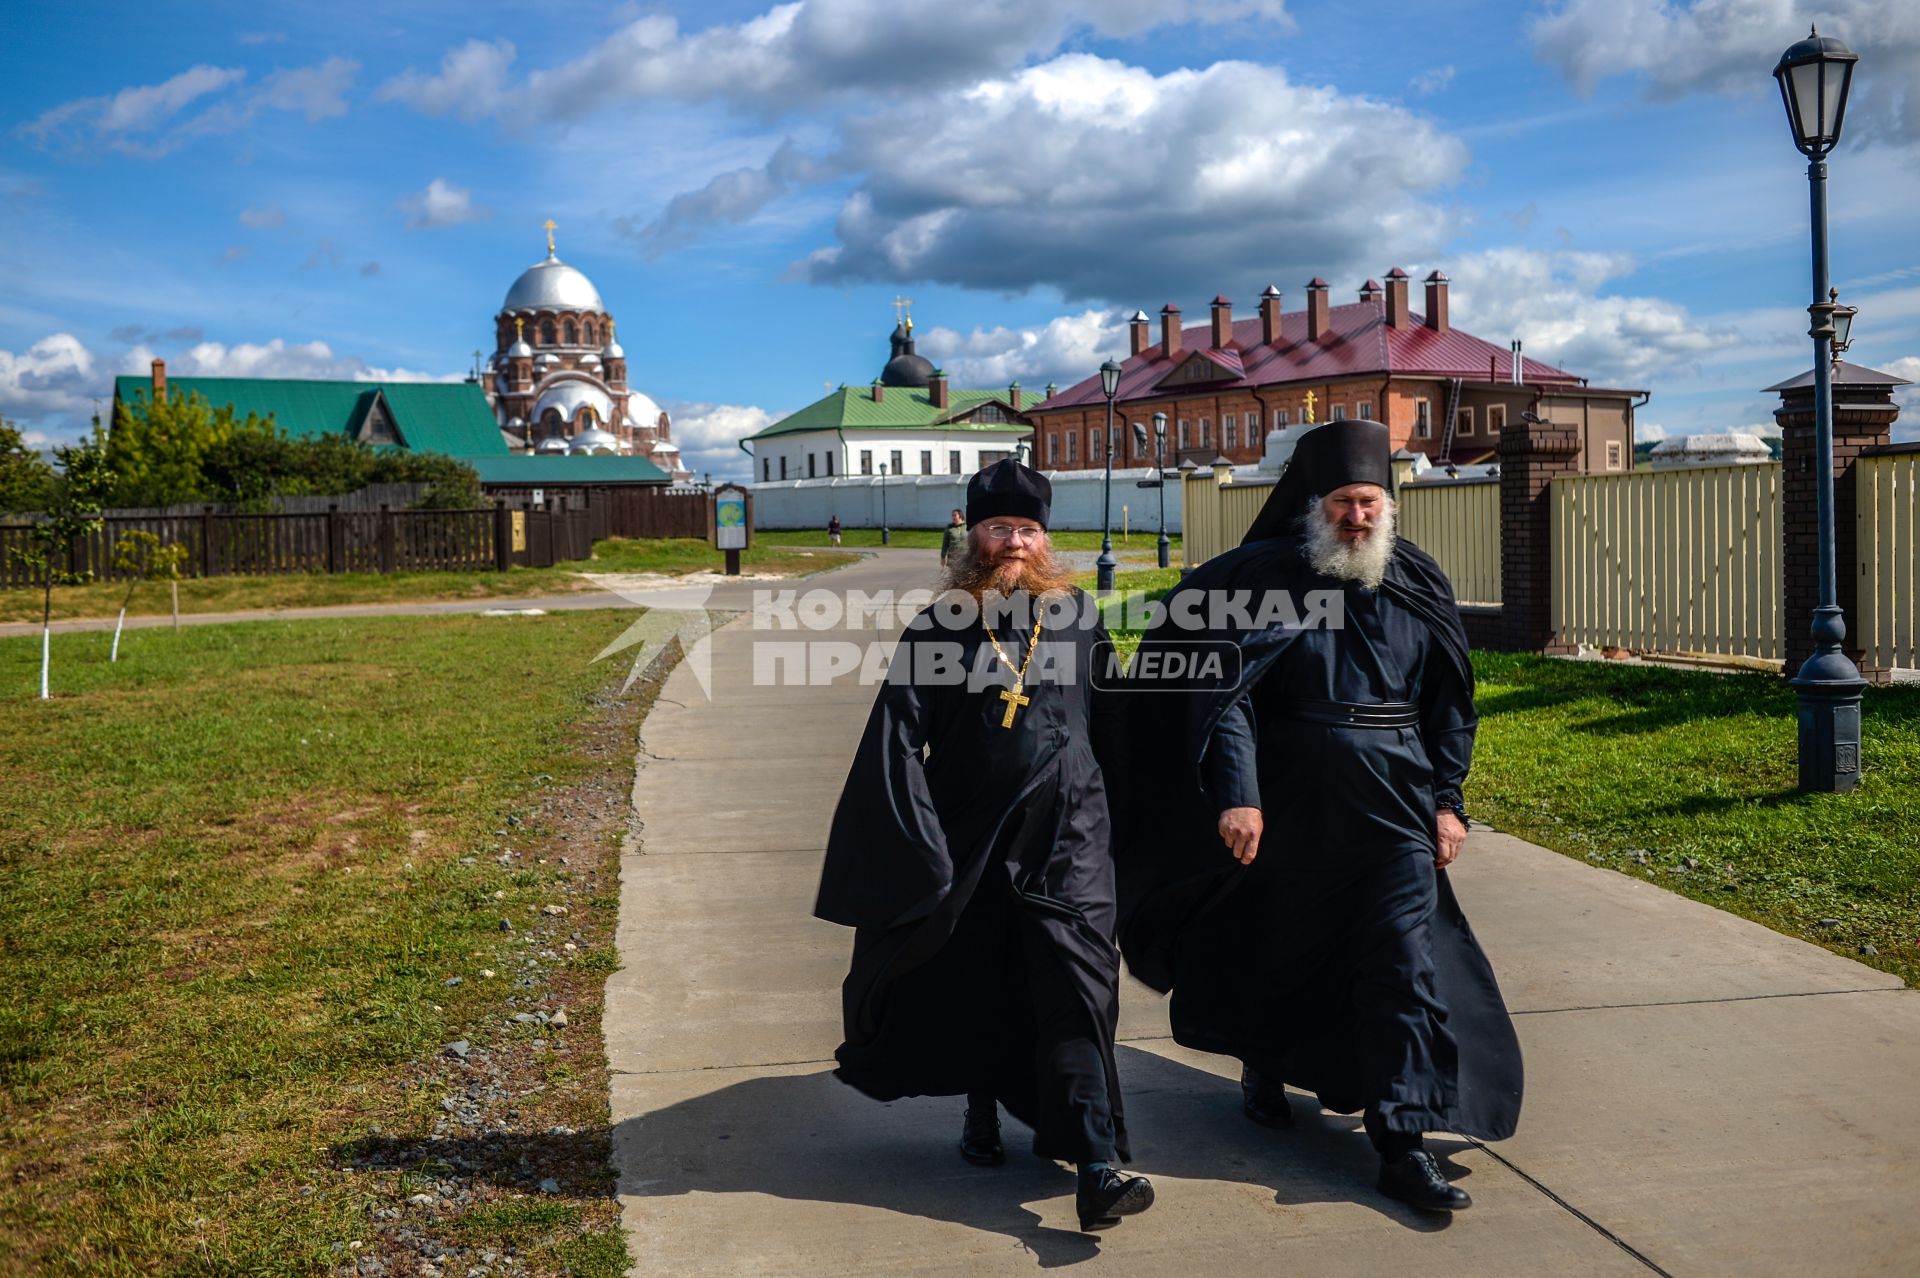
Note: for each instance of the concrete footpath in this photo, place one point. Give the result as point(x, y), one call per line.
point(1704, 1096)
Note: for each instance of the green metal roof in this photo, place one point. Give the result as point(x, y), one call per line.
point(432, 417)
point(521, 468)
point(900, 408)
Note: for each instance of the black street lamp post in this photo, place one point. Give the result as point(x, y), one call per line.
point(1104, 565)
point(1159, 479)
point(886, 534)
point(1814, 77)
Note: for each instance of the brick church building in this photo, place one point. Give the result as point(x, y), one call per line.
point(557, 382)
point(1225, 384)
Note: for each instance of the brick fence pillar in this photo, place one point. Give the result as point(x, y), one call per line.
point(1863, 416)
point(1532, 456)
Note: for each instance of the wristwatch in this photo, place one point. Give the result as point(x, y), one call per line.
point(1460, 810)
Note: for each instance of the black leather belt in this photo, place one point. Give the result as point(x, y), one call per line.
point(1348, 714)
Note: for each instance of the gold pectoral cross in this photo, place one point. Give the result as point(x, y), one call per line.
point(1014, 701)
point(1310, 403)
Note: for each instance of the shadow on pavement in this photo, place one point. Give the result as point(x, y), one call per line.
point(811, 1138)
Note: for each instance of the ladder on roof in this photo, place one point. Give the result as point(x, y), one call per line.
point(1453, 414)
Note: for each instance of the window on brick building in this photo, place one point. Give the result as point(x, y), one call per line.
point(1183, 432)
point(1366, 410)
point(1206, 431)
point(1423, 419)
point(1463, 422)
point(546, 332)
point(1339, 413)
point(573, 336)
point(1616, 454)
point(866, 461)
point(1281, 419)
point(1496, 418)
point(1073, 447)
point(1230, 430)
point(588, 330)
point(1053, 448)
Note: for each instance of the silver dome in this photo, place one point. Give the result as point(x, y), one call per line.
point(553, 445)
point(594, 440)
point(589, 360)
point(519, 349)
point(552, 285)
point(568, 396)
point(516, 423)
point(545, 359)
point(612, 350)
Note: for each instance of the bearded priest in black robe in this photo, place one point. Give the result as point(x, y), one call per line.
point(1294, 897)
point(971, 853)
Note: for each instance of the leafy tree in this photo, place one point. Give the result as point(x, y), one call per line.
point(73, 512)
point(157, 449)
point(26, 478)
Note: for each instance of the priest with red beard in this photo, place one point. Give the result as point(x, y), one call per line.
point(1289, 883)
point(970, 853)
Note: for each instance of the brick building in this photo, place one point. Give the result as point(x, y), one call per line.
point(1225, 384)
point(557, 381)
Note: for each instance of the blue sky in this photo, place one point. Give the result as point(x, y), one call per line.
point(311, 190)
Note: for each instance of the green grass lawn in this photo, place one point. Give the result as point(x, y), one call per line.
point(676, 556)
point(1137, 543)
point(237, 870)
point(1688, 779)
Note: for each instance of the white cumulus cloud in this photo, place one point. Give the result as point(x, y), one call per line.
point(798, 53)
point(1730, 46)
point(709, 436)
point(441, 205)
point(1066, 349)
point(1109, 182)
point(55, 376)
point(1559, 305)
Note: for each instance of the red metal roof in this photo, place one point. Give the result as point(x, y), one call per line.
point(1358, 343)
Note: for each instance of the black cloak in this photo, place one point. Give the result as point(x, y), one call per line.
point(1178, 884)
point(942, 803)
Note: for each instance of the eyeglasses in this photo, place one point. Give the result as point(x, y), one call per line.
point(1007, 532)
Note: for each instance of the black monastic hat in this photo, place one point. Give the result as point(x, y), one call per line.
point(1327, 457)
point(1008, 488)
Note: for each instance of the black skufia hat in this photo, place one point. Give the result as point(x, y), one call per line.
point(1008, 488)
point(1327, 457)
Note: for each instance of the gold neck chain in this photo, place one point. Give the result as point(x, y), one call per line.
point(1013, 696)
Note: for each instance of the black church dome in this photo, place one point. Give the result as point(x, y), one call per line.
point(906, 368)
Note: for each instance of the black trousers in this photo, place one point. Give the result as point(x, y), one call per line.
point(1037, 1039)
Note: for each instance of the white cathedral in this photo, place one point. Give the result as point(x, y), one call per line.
point(557, 382)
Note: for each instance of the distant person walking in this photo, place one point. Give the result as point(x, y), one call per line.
point(955, 537)
point(833, 529)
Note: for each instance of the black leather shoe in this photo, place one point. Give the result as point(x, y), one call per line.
point(1106, 1195)
point(1264, 1102)
point(1415, 1179)
point(980, 1138)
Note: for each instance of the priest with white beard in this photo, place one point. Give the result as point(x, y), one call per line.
point(1292, 891)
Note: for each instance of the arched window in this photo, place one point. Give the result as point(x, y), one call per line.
point(550, 423)
point(588, 330)
point(546, 332)
point(572, 337)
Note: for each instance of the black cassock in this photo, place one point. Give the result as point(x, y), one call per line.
point(974, 862)
point(1340, 961)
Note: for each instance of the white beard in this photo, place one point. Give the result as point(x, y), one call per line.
point(1365, 562)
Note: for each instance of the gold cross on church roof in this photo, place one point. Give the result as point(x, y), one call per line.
point(549, 224)
point(903, 311)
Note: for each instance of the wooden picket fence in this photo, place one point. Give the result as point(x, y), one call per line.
point(384, 540)
point(1888, 549)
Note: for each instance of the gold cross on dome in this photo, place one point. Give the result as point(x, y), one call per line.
point(549, 224)
point(903, 310)
point(1310, 403)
